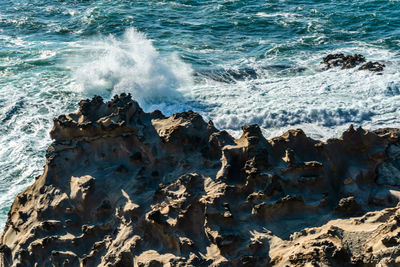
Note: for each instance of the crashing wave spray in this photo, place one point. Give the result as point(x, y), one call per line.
point(131, 64)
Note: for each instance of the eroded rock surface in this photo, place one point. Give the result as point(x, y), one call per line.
point(122, 187)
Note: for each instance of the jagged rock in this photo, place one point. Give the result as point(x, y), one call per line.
point(372, 66)
point(123, 187)
point(351, 61)
point(348, 207)
point(389, 171)
point(340, 60)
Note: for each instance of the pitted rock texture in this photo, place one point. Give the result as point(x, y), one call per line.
point(122, 187)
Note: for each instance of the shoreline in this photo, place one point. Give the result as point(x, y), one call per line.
point(122, 186)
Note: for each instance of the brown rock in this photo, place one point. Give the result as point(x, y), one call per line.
point(122, 187)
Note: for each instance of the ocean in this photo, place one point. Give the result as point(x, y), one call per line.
point(234, 62)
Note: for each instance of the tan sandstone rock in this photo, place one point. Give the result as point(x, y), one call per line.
point(122, 187)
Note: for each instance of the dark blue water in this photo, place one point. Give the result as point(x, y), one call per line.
point(235, 62)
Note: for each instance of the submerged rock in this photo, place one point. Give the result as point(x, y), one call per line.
point(123, 187)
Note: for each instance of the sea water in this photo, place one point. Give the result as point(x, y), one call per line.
point(234, 62)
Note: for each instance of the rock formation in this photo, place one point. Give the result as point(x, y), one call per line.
point(351, 61)
point(122, 187)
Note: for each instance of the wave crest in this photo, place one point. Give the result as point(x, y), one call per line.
point(131, 64)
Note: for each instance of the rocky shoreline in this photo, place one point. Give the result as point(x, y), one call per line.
point(122, 187)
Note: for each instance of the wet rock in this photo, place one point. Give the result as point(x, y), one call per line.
point(351, 61)
point(372, 66)
point(340, 60)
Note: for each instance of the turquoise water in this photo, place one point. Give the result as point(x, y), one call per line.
point(235, 62)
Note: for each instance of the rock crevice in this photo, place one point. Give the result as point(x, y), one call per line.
point(123, 187)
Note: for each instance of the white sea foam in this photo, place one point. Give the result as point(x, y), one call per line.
point(279, 14)
point(37, 84)
point(323, 103)
point(27, 109)
point(131, 64)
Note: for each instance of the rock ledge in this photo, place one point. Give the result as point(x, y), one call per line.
point(122, 187)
